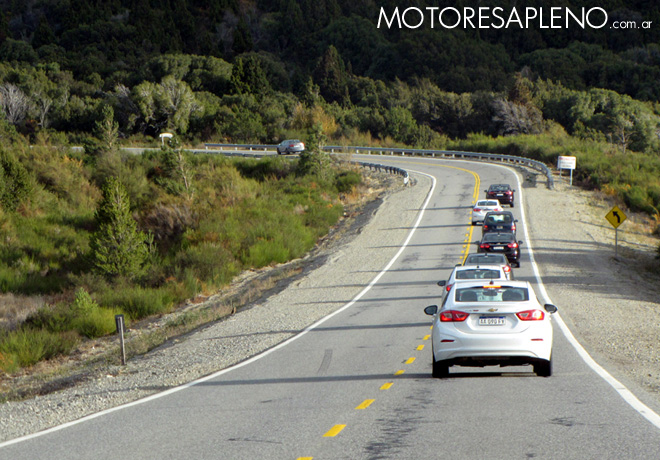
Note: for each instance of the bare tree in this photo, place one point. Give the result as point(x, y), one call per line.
point(177, 103)
point(42, 104)
point(622, 129)
point(14, 102)
point(517, 118)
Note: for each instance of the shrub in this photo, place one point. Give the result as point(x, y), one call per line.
point(89, 319)
point(96, 322)
point(346, 180)
point(28, 346)
point(209, 262)
point(266, 168)
point(137, 302)
point(15, 182)
point(265, 252)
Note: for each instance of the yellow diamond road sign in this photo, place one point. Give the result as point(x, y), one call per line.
point(615, 217)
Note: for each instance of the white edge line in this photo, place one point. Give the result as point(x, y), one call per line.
point(250, 360)
point(620, 388)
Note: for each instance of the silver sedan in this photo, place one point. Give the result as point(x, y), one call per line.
point(290, 146)
point(486, 324)
point(482, 207)
point(474, 272)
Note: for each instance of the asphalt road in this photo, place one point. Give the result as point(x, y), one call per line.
point(358, 386)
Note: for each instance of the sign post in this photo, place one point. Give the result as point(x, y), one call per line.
point(616, 217)
point(565, 162)
point(119, 321)
point(164, 136)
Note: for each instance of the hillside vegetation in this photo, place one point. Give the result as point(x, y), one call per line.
point(86, 234)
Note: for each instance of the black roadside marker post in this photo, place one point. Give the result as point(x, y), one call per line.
point(119, 321)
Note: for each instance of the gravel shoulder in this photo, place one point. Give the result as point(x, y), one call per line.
point(608, 304)
point(607, 298)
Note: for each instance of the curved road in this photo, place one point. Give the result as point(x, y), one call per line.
point(358, 386)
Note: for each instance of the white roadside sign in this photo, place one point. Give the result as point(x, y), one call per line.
point(566, 162)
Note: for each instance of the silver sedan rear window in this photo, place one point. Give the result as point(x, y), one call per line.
point(492, 294)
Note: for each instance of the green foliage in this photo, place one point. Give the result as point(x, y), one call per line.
point(209, 261)
point(331, 76)
point(26, 347)
point(247, 77)
point(177, 177)
point(314, 161)
point(90, 320)
point(107, 129)
point(267, 168)
point(135, 301)
point(84, 317)
point(346, 181)
point(16, 185)
point(118, 248)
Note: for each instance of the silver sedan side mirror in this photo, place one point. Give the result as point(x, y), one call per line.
point(431, 310)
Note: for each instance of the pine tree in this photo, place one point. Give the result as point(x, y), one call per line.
point(118, 247)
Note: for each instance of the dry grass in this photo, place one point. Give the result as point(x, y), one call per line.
point(14, 309)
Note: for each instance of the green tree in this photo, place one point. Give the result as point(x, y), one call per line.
point(242, 38)
point(165, 106)
point(314, 161)
point(16, 184)
point(178, 171)
point(248, 77)
point(107, 129)
point(118, 248)
point(44, 34)
point(331, 76)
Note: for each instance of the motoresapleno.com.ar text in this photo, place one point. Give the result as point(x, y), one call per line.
point(499, 18)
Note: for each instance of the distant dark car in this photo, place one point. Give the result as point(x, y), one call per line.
point(499, 221)
point(290, 146)
point(502, 243)
point(502, 192)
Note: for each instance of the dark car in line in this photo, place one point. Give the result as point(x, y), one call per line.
point(502, 192)
point(502, 243)
point(499, 221)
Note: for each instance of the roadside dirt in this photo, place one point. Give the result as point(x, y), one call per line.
point(608, 297)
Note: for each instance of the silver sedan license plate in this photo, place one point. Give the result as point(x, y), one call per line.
point(492, 321)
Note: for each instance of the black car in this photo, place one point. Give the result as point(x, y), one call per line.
point(502, 243)
point(502, 192)
point(499, 221)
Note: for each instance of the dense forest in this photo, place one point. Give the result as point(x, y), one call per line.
point(204, 68)
point(99, 74)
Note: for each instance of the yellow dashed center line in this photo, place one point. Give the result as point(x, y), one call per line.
point(334, 431)
point(366, 403)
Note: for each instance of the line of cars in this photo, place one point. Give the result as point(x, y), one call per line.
point(487, 317)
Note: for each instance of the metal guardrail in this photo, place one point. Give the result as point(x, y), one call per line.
point(387, 169)
point(511, 159)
